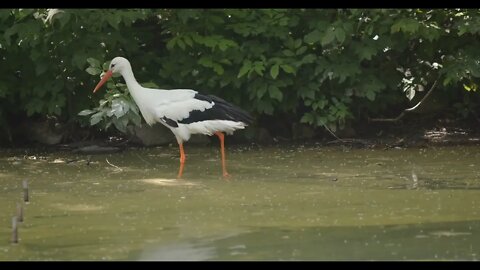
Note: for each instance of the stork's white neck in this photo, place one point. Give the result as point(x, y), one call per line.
point(130, 80)
point(135, 89)
point(139, 94)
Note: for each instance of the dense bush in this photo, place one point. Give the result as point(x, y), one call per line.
point(321, 67)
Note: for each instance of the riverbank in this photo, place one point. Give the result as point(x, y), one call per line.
point(369, 135)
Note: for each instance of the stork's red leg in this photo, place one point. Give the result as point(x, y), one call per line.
point(182, 160)
point(221, 136)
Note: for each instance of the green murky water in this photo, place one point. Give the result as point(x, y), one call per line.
point(289, 203)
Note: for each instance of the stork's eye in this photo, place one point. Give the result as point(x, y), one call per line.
point(113, 65)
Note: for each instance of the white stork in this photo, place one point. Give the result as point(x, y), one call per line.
point(183, 111)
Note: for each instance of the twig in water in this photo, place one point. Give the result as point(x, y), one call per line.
point(118, 168)
point(25, 191)
point(19, 212)
point(14, 230)
point(89, 159)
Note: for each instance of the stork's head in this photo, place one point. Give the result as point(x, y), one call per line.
point(117, 65)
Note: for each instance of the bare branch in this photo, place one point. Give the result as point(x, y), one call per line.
point(333, 134)
point(115, 166)
point(402, 114)
point(424, 97)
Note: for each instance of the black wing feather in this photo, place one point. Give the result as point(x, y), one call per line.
point(221, 110)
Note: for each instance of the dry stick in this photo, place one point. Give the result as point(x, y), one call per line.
point(89, 159)
point(20, 212)
point(331, 132)
point(25, 191)
point(14, 230)
point(406, 110)
point(342, 140)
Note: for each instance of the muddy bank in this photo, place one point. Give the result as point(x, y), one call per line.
point(417, 133)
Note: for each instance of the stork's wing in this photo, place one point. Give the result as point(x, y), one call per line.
point(221, 110)
point(176, 105)
point(188, 106)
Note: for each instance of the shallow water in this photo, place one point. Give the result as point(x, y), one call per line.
point(281, 203)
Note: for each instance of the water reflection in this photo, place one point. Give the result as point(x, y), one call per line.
point(179, 252)
point(428, 241)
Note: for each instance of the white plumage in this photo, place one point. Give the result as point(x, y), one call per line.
point(183, 111)
point(207, 127)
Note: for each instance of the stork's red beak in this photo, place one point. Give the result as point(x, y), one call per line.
point(105, 78)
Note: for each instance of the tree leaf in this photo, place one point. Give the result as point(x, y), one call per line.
point(406, 25)
point(171, 43)
point(275, 93)
point(301, 50)
point(119, 107)
point(120, 125)
point(113, 20)
point(93, 62)
point(136, 119)
point(188, 41)
point(259, 68)
point(340, 35)
point(93, 71)
point(410, 92)
point(298, 43)
point(181, 44)
point(247, 66)
point(205, 61)
point(274, 71)
point(85, 112)
point(309, 58)
point(370, 95)
point(288, 53)
point(328, 37)
point(223, 45)
point(365, 52)
point(288, 69)
point(313, 36)
point(96, 118)
point(218, 69)
point(261, 91)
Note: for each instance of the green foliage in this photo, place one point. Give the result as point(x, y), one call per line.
point(336, 64)
point(117, 108)
point(44, 53)
point(324, 67)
